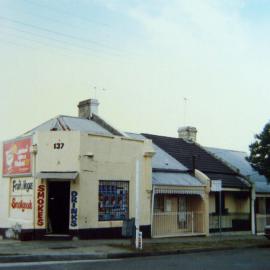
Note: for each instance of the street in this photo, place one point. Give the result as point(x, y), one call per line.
point(221, 260)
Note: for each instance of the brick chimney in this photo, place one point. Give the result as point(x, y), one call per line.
point(88, 107)
point(187, 133)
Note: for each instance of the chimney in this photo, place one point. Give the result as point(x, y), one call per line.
point(187, 133)
point(88, 107)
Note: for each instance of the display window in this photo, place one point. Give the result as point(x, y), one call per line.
point(113, 200)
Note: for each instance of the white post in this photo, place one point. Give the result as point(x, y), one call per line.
point(152, 210)
point(137, 203)
point(34, 173)
point(253, 216)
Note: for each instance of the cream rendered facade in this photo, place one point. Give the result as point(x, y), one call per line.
point(236, 211)
point(94, 158)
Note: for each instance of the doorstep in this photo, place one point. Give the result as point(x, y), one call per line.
point(55, 237)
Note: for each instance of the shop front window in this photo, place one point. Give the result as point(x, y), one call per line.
point(113, 200)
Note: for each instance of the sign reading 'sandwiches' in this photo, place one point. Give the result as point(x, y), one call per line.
point(17, 157)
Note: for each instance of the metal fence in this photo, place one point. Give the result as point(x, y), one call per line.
point(262, 220)
point(230, 221)
point(178, 223)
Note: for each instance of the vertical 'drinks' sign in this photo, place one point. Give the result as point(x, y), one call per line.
point(41, 189)
point(74, 209)
point(17, 157)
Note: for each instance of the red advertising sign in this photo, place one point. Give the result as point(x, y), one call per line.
point(17, 157)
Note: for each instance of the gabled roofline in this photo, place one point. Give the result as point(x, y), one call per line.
point(100, 121)
point(241, 177)
point(235, 169)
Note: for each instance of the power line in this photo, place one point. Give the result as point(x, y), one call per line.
point(67, 13)
point(54, 39)
point(25, 39)
point(82, 52)
point(95, 43)
point(16, 44)
point(53, 19)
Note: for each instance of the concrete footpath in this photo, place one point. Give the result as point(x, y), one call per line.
point(33, 251)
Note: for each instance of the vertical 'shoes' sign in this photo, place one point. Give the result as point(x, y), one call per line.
point(17, 157)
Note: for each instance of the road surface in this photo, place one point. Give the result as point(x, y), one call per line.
point(220, 260)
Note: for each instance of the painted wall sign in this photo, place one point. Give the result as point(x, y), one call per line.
point(17, 157)
point(74, 209)
point(40, 205)
point(21, 204)
point(21, 185)
point(21, 198)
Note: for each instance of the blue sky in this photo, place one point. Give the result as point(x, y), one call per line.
point(148, 55)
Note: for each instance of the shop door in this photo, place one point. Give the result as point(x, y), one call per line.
point(58, 207)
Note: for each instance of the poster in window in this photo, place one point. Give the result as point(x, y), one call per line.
point(113, 200)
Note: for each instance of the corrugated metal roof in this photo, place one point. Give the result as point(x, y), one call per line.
point(76, 123)
point(174, 179)
point(63, 122)
point(161, 159)
point(237, 159)
point(262, 187)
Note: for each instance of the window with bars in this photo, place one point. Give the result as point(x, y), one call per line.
point(113, 200)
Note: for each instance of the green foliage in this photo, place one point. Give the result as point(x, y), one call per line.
point(260, 152)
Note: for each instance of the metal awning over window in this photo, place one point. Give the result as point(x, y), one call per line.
point(178, 191)
point(64, 176)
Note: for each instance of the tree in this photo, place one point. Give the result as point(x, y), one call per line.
point(260, 152)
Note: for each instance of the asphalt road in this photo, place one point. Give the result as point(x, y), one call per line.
point(220, 260)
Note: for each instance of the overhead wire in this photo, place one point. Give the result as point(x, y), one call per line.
point(95, 43)
point(67, 13)
point(90, 49)
point(60, 46)
point(70, 14)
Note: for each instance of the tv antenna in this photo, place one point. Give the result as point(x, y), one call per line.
point(96, 90)
point(185, 110)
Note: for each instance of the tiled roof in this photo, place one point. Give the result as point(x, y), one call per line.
point(161, 159)
point(183, 151)
point(166, 169)
point(228, 180)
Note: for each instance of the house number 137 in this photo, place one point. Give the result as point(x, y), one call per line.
point(58, 145)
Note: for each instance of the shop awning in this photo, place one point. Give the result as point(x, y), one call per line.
point(64, 176)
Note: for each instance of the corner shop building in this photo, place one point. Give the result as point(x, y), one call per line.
point(74, 176)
